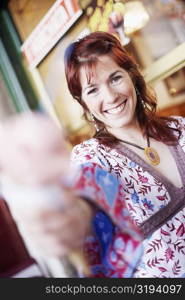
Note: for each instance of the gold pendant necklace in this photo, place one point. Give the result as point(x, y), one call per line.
point(152, 155)
point(150, 152)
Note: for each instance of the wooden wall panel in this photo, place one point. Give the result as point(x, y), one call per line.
point(27, 14)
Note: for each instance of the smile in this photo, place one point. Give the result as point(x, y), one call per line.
point(117, 109)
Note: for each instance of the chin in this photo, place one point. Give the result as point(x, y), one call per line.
point(122, 123)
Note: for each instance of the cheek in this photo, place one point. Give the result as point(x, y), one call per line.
point(126, 87)
point(87, 105)
point(92, 104)
point(134, 103)
point(84, 104)
point(132, 92)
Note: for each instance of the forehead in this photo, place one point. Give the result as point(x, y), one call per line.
point(103, 66)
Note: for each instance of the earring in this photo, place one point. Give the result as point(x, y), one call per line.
point(139, 96)
point(95, 124)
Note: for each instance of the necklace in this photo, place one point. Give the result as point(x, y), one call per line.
point(150, 152)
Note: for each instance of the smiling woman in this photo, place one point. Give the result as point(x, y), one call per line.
point(144, 152)
point(101, 54)
point(110, 94)
point(125, 206)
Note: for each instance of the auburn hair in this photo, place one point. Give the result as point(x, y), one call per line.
point(85, 52)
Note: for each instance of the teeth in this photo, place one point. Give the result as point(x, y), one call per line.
point(116, 109)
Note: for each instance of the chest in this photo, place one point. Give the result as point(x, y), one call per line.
point(170, 168)
point(148, 188)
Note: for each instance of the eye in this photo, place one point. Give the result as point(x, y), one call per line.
point(92, 91)
point(116, 79)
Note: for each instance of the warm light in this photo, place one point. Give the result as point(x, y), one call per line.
point(135, 16)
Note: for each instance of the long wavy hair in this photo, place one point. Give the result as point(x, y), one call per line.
point(85, 53)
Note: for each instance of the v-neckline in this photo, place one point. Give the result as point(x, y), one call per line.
point(133, 156)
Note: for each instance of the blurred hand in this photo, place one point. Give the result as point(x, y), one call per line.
point(58, 232)
point(33, 154)
point(33, 149)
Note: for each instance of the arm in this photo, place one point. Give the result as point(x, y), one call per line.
point(33, 162)
point(56, 218)
point(114, 247)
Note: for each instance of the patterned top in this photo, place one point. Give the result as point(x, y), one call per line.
point(123, 185)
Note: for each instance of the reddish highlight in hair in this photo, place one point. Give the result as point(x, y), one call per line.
point(85, 53)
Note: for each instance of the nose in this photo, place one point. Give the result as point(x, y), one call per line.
point(109, 94)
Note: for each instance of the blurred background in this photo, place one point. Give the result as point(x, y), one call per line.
point(34, 35)
point(33, 38)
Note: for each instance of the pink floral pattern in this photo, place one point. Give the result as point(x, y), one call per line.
point(142, 195)
point(109, 251)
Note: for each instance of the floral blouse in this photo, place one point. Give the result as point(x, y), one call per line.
point(139, 227)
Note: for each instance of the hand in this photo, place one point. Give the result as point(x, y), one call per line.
point(33, 149)
point(33, 154)
point(58, 232)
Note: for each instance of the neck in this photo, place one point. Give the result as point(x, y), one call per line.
point(131, 132)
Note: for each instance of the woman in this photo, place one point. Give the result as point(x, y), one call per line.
point(145, 152)
point(131, 173)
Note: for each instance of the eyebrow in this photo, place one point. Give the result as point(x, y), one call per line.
point(89, 86)
point(93, 85)
point(114, 73)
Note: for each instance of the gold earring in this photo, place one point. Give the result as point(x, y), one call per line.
point(95, 124)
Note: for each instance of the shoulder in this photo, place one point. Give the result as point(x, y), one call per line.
point(85, 151)
point(89, 151)
point(178, 122)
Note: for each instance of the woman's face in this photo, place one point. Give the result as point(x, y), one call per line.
point(110, 95)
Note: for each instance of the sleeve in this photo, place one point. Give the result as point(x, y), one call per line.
point(114, 249)
point(180, 126)
point(89, 151)
point(181, 123)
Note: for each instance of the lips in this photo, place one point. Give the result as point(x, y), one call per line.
point(116, 109)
